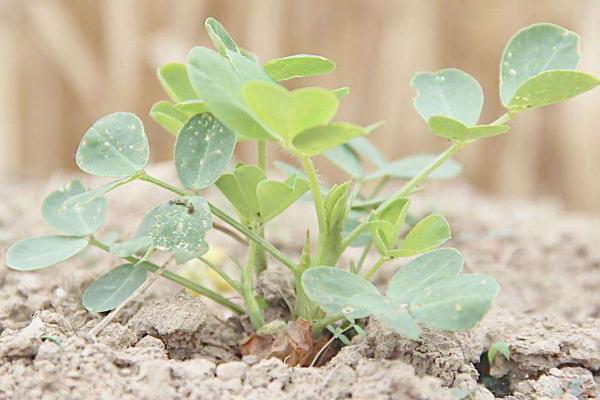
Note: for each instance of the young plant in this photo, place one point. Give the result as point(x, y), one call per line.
point(219, 98)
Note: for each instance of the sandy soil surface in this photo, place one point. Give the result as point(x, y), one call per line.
point(168, 345)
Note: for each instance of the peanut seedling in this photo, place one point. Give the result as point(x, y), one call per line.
point(219, 98)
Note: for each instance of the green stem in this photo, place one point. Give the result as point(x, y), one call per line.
point(313, 182)
point(318, 327)
point(261, 255)
point(222, 274)
point(356, 232)
point(442, 158)
point(375, 268)
point(230, 221)
point(380, 185)
point(363, 257)
point(252, 306)
point(216, 297)
point(262, 154)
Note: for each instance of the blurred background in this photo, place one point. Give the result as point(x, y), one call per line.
point(65, 63)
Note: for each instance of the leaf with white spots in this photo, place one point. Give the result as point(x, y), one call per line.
point(115, 146)
point(298, 66)
point(450, 93)
point(179, 225)
point(551, 87)
point(43, 251)
point(340, 292)
point(456, 304)
point(203, 149)
point(113, 288)
point(423, 272)
point(76, 220)
point(533, 50)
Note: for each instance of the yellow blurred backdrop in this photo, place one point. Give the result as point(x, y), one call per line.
point(65, 63)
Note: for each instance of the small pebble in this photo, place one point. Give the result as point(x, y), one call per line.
point(232, 370)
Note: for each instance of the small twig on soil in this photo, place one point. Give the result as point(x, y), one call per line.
point(114, 313)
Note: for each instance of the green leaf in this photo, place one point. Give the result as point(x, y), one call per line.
point(274, 197)
point(240, 189)
point(342, 92)
point(175, 81)
point(428, 234)
point(450, 93)
point(203, 149)
point(115, 146)
point(345, 158)
point(184, 256)
point(366, 149)
point(219, 85)
point(43, 251)
point(398, 319)
point(191, 107)
point(84, 198)
point(498, 347)
point(179, 225)
point(298, 66)
point(168, 116)
point(78, 220)
point(386, 224)
point(130, 247)
point(113, 288)
point(220, 37)
point(409, 167)
point(551, 87)
point(288, 113)
point(340, 292)
point(315, 141)
point(456, 304)
point(423, 272)
point(452, 129)
point(535, 49)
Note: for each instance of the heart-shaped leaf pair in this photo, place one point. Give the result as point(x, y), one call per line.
point(386, 224)
point(257, 199)
point(301, 118)
point(428, 290)
point(537, 68)
point(203, 150)
point(115, 146)
point(456, 98)
point(178, 226)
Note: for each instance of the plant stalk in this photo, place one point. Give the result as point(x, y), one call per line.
point(375, 268)
point(204, 291)
point(315, 190)
point(248, 273)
